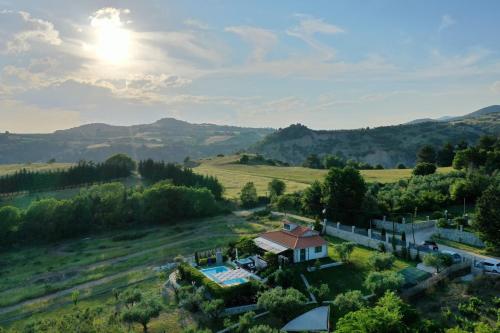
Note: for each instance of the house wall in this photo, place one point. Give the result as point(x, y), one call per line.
point(310, 254)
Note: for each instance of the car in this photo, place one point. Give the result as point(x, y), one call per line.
point(430, 245)
point(457, 258)
point(490, 265)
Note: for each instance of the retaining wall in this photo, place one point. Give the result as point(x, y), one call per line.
point(459, 236)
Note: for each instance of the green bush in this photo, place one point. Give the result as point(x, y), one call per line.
point(381, 261)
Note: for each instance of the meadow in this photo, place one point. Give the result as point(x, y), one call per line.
point(38, 281)
point(233, 176)
point(6, 169)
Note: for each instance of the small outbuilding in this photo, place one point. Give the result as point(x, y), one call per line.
point(315, 320)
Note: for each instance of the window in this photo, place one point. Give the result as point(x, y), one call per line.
point(318, 249)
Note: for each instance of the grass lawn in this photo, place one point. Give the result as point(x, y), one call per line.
point(233, 176)
point(6, 169)
point(348, 276)
point(462, 246)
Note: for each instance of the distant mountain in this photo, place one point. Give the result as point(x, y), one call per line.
point(480, 112)
point(166, 139)
point(388, 145)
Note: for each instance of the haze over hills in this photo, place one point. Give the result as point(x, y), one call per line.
point(166, 139)
point(387, 145)
point(478, 113)
point(172, 140)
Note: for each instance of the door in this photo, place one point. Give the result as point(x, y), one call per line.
point(302, 254)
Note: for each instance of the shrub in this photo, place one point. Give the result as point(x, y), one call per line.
point(381, 261)
point(283, 303)
point(424, 168)
point(438, 260)
point(381, 247)
point(379, 282)
point(349, 301)
point(442, 223)
point(344, 250)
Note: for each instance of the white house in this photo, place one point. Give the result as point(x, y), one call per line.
point(296, 242)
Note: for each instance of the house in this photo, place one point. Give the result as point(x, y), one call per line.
point(295, 242)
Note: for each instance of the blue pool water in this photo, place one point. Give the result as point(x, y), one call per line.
point(210, 273)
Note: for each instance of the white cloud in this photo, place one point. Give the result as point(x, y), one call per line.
point(495, 87)
point(196, 24)
point(446, 22)
point(262, 40)
point(310, 26)
point(107, 16)
point(35, 30)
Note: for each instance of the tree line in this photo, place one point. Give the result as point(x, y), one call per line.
point(85, 172)
point(103, 207)
point(154, 171)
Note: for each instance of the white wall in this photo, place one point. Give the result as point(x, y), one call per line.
point(310, 254)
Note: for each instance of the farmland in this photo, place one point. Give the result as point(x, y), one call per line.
point(233, 176)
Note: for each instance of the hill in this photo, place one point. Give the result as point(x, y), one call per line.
point(233, 175)
point(387, 145)
point(168, 139)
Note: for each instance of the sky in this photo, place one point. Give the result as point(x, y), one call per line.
point(326, 64)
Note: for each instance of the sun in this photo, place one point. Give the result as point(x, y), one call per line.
point(113, 43)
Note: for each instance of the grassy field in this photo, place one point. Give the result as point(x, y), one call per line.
point(6, 169)
point(233, 176)
point(95, 265)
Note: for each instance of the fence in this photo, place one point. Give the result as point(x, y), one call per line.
point(406, 227)
point(459, 236)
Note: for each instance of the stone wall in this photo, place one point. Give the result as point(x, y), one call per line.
point(459, 236)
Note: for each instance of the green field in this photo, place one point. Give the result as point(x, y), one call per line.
point(6, 169)
point(40, 279)
point(233, 176)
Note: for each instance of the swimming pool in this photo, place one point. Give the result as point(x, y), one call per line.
point(223, 276)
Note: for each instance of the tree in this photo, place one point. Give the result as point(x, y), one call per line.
point(10, 217)
point(276, 187)
point(333, 161)
point(487, 221)
point(344, 191)
point(321, 293)
point(445, 155)
point(281, 302)
point(424, 168)
point(437, 260)
point(426, 154)
point(148, 308)
point(379, 282)
point(344, 250)
point(193, 329)
point(244, 159)
point(287, 203)
point(130, 296)
point(248, 195)
point(245, 322)
point(263, 329)
point(312, 162)
point(311, 199)
point(400, 166)
point(122, 162)
point(381, 261)
point(390, 314)
point(213, 309)
point(349, 301)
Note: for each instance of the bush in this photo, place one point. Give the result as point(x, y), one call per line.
point(283, 303)
point(381, 247)
point(349, 301)
point(379, 282)
point(381, 261)
point(438, 260)
point(442, 223)
point(424, 168)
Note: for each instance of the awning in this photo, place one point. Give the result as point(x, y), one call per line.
point(315, 320)
point(269, 246)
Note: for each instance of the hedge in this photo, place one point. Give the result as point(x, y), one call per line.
point(244, 293)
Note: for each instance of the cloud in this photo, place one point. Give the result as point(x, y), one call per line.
point(495, 87)
point(33, 30)
point(107, 16)
point(196, 24)
point(309, 27)
point(446, 22)
point(262, 40)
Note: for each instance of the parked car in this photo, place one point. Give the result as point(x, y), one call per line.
point(490, 265)
point(457, 258)
point(430, 245)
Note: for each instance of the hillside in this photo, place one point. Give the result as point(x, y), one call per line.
point(168, 139)
point(386, 145)
point(233, 175)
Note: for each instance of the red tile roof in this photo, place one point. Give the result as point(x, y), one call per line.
point(295, 238)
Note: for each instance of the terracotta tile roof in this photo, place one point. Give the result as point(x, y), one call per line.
point(294, 239)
